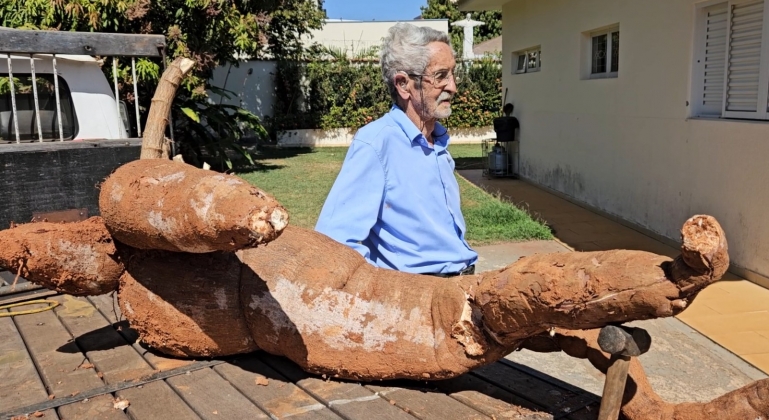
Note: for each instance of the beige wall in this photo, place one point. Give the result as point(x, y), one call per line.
point(356, 36)
point(627, 145)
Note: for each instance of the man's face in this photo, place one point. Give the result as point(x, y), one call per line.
point(438, 84)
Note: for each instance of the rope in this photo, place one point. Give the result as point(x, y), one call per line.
point(51, 304)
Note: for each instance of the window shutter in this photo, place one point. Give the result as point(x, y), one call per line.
point(745, 97)
point(714, 60)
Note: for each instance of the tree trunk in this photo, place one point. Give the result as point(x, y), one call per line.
point(154, 145)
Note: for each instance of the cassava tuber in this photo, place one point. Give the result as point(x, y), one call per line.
point(162, 204)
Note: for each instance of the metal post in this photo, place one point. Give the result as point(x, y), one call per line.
point(117, 94)
point(58, 102)
point(13, 100)
point(34, 94)
point(136, 99)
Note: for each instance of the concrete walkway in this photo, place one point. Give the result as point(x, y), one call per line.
point(683, 364)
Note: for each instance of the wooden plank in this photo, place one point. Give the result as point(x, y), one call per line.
point(30, 295)
point(111, 311)
point(490, 399)
point(588, 413)
point(63, 367)
point(86, 43)
point(108, 350)
point(20, 385)
point(101, 408)
point(425, 403)
point(347, 399)
point(590, 401)
point(53, 146)
point(21, 286)
point(279, 397)
point(214, 398)
point(118, 361)
point(556, 400)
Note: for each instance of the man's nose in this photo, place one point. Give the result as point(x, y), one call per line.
point(452, 86)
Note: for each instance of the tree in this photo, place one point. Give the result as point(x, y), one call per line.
point(211, 32)
point(447, 9)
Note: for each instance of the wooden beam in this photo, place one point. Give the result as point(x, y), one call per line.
point(87, 43)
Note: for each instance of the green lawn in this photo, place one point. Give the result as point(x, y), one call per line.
point(301, 178)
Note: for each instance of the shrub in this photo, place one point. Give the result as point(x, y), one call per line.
point(334, 91)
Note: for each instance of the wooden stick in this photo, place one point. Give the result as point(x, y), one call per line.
point(154, 142)
point(614, 388)
point(18, 274)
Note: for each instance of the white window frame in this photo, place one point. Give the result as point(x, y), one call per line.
point(763, 80)
point(699, 62)
point(609, 49)
point(762, 112)
point(525, 53)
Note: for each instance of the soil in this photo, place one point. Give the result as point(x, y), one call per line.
point(186, 305)
point(168, 205)
point(340, 316)
point(75, 258)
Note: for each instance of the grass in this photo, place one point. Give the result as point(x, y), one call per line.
point(301, 179)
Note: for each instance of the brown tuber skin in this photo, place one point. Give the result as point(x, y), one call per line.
point(345, 318)
point(172, 206)
point(77, 258)
point(186, 305)
point(340, 316)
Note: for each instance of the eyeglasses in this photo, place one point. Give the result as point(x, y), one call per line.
point(440, 78)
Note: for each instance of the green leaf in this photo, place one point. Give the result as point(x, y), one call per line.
point(192, 114)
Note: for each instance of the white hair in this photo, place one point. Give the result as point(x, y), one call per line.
point(406, 50)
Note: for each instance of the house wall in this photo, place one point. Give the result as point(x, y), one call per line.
point(627, 145)
point(251, 84)
point(357, 36)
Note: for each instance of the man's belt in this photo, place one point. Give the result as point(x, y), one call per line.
point(466, 272)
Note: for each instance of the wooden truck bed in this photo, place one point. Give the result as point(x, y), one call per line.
point(74, 361)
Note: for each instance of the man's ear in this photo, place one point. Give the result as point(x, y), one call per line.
point(402, 85)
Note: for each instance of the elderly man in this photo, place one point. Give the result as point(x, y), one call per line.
point(396, 200)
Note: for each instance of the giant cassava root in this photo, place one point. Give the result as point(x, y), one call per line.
point(162, 204)
point(317, 302)
point(78, 258)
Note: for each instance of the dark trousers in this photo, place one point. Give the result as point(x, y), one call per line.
point(466, 272)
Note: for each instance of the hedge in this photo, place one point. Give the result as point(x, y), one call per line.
point(349, 93)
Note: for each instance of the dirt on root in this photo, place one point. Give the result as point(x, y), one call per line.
point(77, 258)
point(318, 302)
point(186, 305)
point(167, 205)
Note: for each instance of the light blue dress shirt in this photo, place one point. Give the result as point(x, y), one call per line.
point(396, 200)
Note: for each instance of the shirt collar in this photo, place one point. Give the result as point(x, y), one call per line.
point(440, 134)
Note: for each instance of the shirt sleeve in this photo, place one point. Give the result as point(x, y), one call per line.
point(352, 207)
